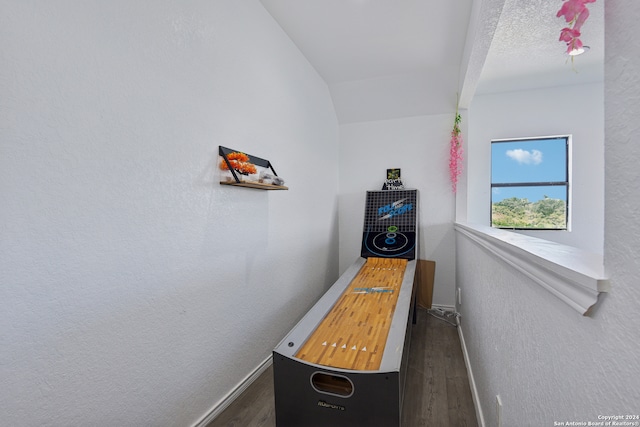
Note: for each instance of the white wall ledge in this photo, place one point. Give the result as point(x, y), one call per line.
point(571, 274)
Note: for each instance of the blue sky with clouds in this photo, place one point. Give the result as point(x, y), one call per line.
point(529, 161)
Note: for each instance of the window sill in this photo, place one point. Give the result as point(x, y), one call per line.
point(574, 276)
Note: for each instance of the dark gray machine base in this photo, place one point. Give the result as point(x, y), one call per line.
point(375, 401)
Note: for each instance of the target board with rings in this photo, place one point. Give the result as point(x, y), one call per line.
point(390, 224)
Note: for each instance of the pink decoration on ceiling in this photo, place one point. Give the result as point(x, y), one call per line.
point(575, 12)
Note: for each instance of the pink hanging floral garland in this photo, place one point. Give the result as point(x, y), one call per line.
point(575, 12)
point(455, 152)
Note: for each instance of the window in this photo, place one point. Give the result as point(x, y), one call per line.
point(530, 183)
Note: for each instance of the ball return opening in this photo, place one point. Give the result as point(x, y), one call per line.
point(344, 363)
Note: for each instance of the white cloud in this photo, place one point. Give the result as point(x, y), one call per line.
point(533, 157)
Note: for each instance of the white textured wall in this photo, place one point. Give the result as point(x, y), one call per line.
point(547, 362)
point(576, 110)
point(420, 147)
point(135, 290)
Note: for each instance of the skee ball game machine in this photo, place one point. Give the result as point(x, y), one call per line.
point(345, 362)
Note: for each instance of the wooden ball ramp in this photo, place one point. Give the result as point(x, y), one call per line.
point(353, 334)
point(344, 363)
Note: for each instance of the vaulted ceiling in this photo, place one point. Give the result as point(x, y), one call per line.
point(385, 59)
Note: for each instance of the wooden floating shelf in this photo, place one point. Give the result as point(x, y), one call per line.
point(236, 180)
point(257, 185)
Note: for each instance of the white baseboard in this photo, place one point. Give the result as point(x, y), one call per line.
point(472, 381)
point(234, 394)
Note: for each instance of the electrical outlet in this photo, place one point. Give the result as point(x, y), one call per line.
point(499, 409)
point(459, 296)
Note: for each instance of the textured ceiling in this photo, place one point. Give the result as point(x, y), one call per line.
point(525, 52)
point(387, 58)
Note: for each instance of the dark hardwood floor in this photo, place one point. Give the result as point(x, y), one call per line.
point(437, 389)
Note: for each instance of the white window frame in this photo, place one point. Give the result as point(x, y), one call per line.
point(569, 208)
